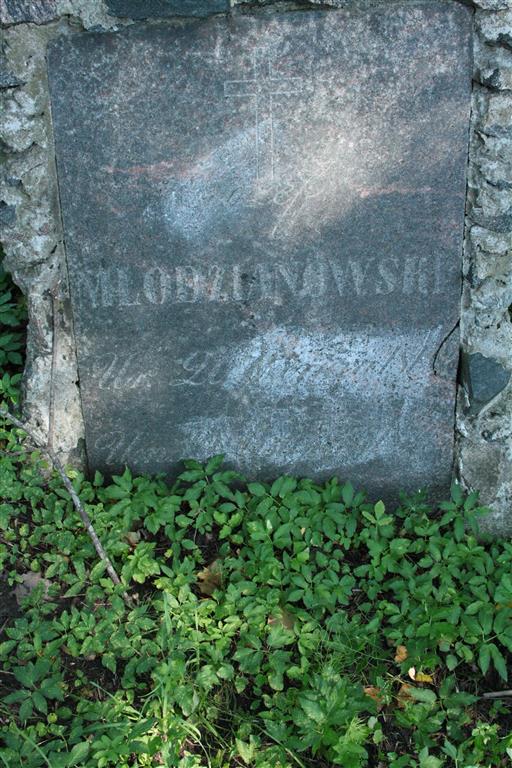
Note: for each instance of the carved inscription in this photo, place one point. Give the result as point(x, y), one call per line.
point(112, 372)
point(274, 283)
point(283, 363)
point(316, 370)
point(262, 88)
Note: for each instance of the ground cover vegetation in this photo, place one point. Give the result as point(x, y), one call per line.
point(268, 625)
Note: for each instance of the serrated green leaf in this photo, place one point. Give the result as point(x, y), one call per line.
point(246, 750)
point(78, 753)
point(484, 658)
point(257, 489)
point(109, 662)
point(39, 702)
point(424, 695)
point(312, 708)
point(191, 475)
point(214, 464)
point(26, 710)
point(499, 662)
point(347, 493)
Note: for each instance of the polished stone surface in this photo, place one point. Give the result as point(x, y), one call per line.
point(263, 220)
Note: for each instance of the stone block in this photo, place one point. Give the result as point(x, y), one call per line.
point(263, 235)
point(483, 379)
point(27, 11)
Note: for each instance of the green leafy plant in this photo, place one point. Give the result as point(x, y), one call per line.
point(269, 624)
point(12, 337)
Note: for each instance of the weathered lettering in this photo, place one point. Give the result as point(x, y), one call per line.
point(275, 283)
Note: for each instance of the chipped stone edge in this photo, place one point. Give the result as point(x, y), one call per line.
point(33, 238)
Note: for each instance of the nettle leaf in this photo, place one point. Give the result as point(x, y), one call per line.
point(429, 761)
point(191, 475)
point(279, 636)
point(484, 658)
point(275, 680)
point(26, 710)
point(312, 708)
point(282, 486)
point(347, 493)
point(214, 464)
point(503, 592)
point(457, 493)
point(282, 535)
point(498, 661)
point(39, 702)
point(25, 675)
point(424, 695)
point(207, 677)
point(247, 751)
point(78, 753)
point(115, 493)
point(109, 662)
point(459, 529)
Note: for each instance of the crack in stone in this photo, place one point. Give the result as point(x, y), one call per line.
point(439, 349)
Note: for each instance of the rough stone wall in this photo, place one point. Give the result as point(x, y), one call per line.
point(29, 211)
point(33, 240)
point(484, 412)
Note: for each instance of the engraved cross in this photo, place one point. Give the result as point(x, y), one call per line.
point(263, 87)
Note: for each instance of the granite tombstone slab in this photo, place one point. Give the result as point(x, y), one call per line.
point(263, 222)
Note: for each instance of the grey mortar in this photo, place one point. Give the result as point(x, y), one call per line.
point(33, 239)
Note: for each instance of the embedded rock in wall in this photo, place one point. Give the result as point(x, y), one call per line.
point(485, 428)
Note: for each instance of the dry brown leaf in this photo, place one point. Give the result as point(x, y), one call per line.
point(401, 654)
point(375, 693)
point(28, 582)
point(285, 618)
point(133, 538)
point(421, 677)
point(210, 578)
point(404, 697)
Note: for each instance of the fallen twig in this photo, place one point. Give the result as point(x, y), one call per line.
point(74, 497)
point(496, 694)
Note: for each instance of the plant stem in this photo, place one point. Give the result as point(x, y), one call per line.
point(74, 497)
